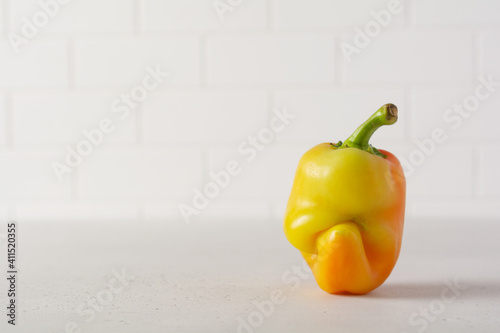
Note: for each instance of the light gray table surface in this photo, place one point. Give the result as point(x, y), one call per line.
point(223, 276)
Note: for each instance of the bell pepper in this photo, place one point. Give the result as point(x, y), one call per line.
point(346, 210)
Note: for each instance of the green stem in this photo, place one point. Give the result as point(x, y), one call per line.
point(386, 115)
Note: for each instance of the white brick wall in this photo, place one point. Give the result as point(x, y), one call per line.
point(490, 177)
point(123, 61)
point(199, 15)
point(446, 13)
point(414, 57)
point(27, 176)
point(448, 171)
point(300, 14)
point(3, 113)
point(79, 16)
point(481, 124)
point(42, 64)
point(2, 16)
point(267, 177)
point(491, 52)
point(271, 59)
point(140, 175)
point(227, 77)
point(200, 117)
point(34, 115)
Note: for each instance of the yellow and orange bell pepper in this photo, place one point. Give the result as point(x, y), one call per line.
point(346, 210)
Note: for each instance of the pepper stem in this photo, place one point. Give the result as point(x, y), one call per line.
point(386, 115)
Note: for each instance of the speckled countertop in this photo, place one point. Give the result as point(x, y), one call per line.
point(243, 276)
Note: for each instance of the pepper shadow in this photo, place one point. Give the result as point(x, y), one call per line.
point(482, 289)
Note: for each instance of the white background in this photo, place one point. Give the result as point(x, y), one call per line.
point(226, 78)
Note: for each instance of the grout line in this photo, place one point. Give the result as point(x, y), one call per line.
point(198, 146)
point(478, 55)
point(474, 51)
point(205, 166)
point(243, 87)
point(71, 64)
point(75, 184)
point(409, 96)
point(6, 17)
point(271, 24)
point(478, 172)
point(271, 105)
point(410, 15)
point(9, 120)
point(139, 125)
point(260, 32)
point(339, 61)
point(203, 61)
point(137, 17)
